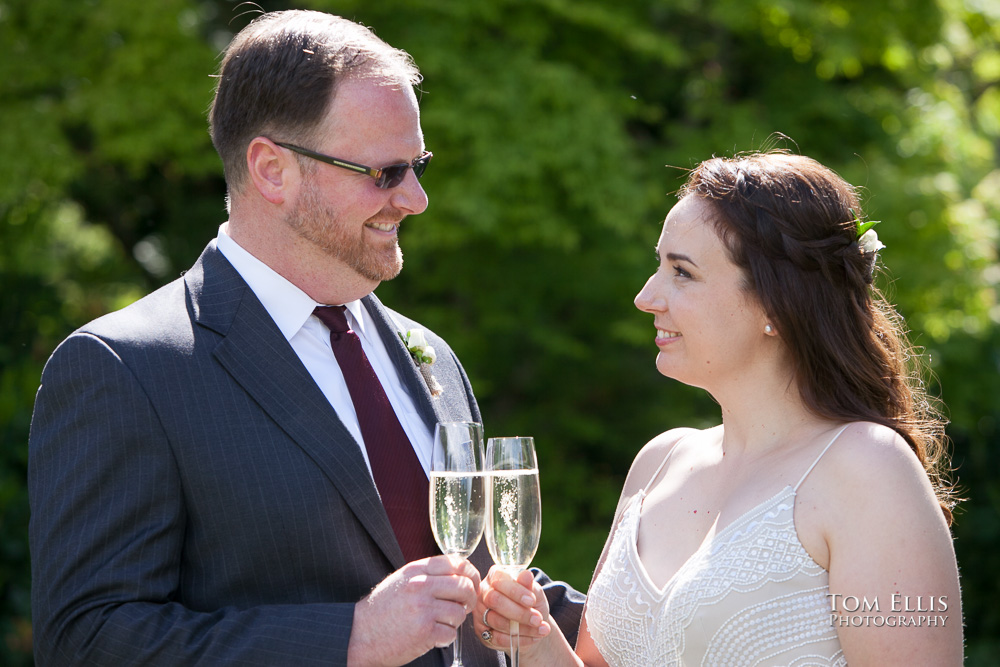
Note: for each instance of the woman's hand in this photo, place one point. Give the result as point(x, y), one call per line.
point(503, 599)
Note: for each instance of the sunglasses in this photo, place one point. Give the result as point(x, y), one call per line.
point(385, 178)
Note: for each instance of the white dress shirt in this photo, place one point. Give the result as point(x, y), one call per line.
point(292, 310)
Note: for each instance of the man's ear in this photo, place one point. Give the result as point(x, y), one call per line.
point(273, 170)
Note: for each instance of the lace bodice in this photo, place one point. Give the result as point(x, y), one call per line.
point(750, 595)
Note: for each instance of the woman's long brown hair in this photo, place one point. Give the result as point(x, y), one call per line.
point(790, 224)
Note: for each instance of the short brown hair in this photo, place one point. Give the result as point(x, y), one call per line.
point(280, 74)
point(790, 224)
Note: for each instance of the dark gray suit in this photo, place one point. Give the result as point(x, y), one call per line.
point(196, 500)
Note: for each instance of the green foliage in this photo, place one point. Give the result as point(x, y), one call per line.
point(561, 129)
point(58, 271)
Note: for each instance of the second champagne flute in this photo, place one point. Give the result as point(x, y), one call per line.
point(457, 499)
point(513, 510)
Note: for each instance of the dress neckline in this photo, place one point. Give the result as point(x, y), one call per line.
point(706, 543)
point(714, 535)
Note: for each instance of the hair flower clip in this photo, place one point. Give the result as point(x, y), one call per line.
point(424, 355)
point(867, 238)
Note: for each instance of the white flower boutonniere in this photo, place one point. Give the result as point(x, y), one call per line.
point(416, 343)
point(424, 355)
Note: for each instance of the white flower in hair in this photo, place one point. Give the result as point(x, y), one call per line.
point(869, 242)
point(867, 238)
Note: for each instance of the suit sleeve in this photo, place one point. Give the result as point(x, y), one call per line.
point(107, 530)
point(565, 604)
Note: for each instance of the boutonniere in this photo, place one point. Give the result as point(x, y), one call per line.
point(424, 356)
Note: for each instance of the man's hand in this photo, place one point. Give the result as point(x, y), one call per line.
point(415, 609)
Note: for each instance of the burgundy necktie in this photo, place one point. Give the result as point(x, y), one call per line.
point(398, 475)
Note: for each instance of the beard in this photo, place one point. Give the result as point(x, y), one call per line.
point(346, 241)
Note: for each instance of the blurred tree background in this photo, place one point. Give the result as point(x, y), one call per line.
point(561, 130)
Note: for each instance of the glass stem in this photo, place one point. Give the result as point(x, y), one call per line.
point(457, 660)
point(515, 643)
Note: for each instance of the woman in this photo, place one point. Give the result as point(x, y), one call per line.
point(811, 526)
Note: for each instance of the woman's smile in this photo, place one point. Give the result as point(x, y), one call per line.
point(664, 337)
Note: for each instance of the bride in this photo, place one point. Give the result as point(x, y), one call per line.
point(811, 526)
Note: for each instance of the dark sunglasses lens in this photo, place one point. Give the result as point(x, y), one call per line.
point(392, 176)
point(420, 165)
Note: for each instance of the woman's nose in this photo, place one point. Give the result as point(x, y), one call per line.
point(650, 298)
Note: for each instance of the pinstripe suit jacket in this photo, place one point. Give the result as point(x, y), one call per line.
point(196, 500)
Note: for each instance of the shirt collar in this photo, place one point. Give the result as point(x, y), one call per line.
point(287, 305)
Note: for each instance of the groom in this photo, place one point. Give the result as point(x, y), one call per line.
point(233, 469)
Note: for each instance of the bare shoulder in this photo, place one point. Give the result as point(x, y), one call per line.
point(869, 487)
point(871, 518)
point(652, 455)
point(871, 461)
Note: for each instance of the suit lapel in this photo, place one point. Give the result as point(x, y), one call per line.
point(412, 379)
point(432, 410)
point(258, 357)
point(260, 360)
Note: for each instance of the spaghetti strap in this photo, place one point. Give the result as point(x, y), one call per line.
point(663, 463)
point(833, 440)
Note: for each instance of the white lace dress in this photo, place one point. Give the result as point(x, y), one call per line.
point(750, 595)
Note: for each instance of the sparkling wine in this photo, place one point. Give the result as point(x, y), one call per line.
point(458, 510)
point(515, 510)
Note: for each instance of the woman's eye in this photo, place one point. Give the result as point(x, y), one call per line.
point(678, 271)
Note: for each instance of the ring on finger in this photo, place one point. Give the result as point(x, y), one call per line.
point(487, 635)
point(484, 618)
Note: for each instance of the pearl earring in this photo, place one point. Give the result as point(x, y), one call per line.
point(768, 329)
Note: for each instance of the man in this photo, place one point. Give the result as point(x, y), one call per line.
point(210, 472)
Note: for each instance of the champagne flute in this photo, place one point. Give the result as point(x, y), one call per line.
point(457, 502)
point(513, 510)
